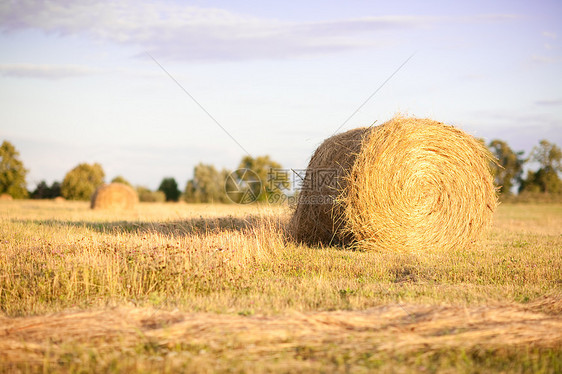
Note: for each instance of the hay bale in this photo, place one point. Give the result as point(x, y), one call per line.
point(59, 199)
point(6, 197)
point(409, 184)
point(114, 196)
point(317, 215)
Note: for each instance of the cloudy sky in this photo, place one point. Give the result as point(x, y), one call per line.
point(99, 81)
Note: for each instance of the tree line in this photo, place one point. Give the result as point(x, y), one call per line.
point(508, 171)
point(210, 185)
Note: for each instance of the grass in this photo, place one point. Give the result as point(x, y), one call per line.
point(206, 288)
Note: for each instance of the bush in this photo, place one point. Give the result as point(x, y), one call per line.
point(81, 182)
point(43, 191)
point(120, 179)
point(207, 185)
point(146, 195)
point(170, 188)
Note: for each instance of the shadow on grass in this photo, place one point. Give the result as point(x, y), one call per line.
point(182, 227)
point(186, 227)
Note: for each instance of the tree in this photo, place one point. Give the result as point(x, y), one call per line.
point(207, 185)
point(545, 179)
point(81, 182)
point(510, 167)
point(529, 184)
point(548, 155)
point(55, 190)
point(170, 188)
point(43, 191)
point(145, 194)
point(120, 179)
point(273, 177)
point(12, 172)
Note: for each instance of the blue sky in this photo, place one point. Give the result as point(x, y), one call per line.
point(77, 84)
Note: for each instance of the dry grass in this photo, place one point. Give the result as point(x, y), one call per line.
point(114, 196)
point(206, 288)
point(407, 185)
point(383, 330)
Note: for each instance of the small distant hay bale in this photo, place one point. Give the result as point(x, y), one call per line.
point(59, 199)
point(6, 197)
point(114, 196)
point(409, 184)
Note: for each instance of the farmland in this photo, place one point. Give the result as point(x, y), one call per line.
point(206, 288)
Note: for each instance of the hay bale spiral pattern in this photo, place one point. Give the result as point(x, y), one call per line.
point(409, 184)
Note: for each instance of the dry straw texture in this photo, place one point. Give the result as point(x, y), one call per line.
point(115, 196)
point(316, 218)
point(401, 328)
point(409, 184)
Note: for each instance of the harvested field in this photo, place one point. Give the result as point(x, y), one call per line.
point(209, 288)
point(381, 331)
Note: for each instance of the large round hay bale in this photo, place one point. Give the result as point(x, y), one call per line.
point(114, 196)
point(6, 197)
point(409, 184)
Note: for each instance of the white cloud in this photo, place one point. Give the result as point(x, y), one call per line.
point(550, 35)
point(491, 18)
point(189, 33)
point(474, 77)
point(182, 32)
point(546, 59)
point(46, 71)
point(552, 102)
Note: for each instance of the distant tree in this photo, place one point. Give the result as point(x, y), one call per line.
point(120, 179)
point(529, 183)
point(170, 188)
point(545, 179)
point(147, 195)
point(81, 182)
point(43, 191)
point(207, 185)
point(189, 192)
point(55, 190)
point(273, 177)
point(542, 180)
point(548, 155)
point(510, 167)
point(12, 172)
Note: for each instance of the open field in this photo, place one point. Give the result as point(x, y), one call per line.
point(178, 287)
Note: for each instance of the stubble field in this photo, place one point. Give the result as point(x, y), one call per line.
point(211, 288)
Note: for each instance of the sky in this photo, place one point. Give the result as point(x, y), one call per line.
point(149, 89)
